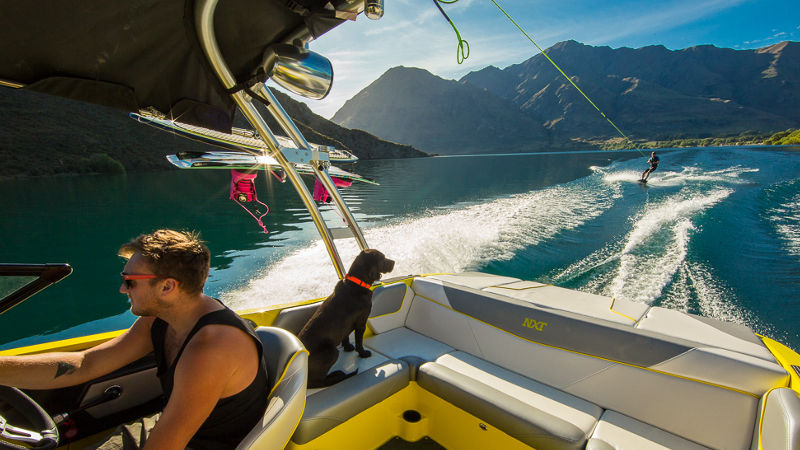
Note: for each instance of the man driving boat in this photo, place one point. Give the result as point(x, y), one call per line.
point(210, 363)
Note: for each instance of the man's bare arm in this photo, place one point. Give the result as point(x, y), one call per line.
point(218, 362)
point(61, 369)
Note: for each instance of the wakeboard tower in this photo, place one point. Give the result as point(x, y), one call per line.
point(246, 154)
point(244, 169)
point(238, 140)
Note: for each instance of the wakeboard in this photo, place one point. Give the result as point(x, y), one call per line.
point(642, 181)
point(239, 139)
point(246, 161)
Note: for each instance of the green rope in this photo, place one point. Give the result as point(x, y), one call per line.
point(462, 51)
point(565, 76)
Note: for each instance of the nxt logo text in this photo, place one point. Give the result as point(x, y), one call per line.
point(530, 323)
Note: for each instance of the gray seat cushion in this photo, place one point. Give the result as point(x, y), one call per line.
point(618, 432)
point(334, 405)
point(401, 342)
point(533, 413)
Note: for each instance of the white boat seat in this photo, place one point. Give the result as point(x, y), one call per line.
point(620, 432)
point(326, 408)
point(778, 424)
point(402, 342)
point(531, 412)
point(287, 372)
point(697, 387)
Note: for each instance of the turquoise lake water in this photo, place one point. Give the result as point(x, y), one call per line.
point(716, 232)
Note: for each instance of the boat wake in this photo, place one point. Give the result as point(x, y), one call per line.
point(462, 237)
point(647, 261)
point(785, 215)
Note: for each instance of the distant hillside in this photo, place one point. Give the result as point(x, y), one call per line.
point(43, 135)
point(698, 91)
point(320, 130)
point(413, 106)
point(651, 93)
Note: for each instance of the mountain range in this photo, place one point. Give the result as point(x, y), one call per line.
point(650, 93)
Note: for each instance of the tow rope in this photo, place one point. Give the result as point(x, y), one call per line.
point(460, 57)
point(462, 51)
point(624, 136)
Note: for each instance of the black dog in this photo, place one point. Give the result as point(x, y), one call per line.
point(344, 311)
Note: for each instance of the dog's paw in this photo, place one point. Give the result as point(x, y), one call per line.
point(364, 353)
point(348, 347)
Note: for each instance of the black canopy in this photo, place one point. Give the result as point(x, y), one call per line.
point(134, 54)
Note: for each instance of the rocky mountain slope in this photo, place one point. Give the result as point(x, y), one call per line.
point(650, 93)
point(413, 106)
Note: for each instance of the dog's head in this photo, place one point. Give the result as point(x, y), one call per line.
point(369, 265)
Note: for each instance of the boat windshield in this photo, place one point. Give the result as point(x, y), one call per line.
point(18, 282)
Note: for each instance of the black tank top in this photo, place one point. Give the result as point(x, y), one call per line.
point(232, 417)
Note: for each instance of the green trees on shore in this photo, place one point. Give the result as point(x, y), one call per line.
point(787, 137)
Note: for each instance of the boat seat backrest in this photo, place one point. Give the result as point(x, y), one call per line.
point(279, 349)
point(294, 319)
point(615, 366)
point(287, 371)
point(390, 305)
point(778, 424)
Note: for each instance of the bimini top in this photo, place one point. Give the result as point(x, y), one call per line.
point(137, 54)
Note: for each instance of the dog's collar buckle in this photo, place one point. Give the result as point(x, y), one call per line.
point(357, 281)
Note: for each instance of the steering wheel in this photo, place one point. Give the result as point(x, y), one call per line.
point(12, 437)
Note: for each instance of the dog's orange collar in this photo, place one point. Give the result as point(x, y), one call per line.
point(357, 281)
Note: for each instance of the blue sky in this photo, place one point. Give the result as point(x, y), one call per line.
point(413, 33)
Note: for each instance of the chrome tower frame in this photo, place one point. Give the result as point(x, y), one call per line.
point(204, 23)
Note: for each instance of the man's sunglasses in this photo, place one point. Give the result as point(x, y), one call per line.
point(128, 278)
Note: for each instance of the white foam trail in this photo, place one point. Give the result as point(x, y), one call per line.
point(665, 228)
point(786, 218)
point(716, 300)
point(687, 175)
point(445, 241)
point(618, 176)
point(640, 266)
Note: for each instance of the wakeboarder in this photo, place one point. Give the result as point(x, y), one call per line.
point(653, 161)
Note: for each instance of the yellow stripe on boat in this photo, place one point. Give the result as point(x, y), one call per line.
point(787, 358)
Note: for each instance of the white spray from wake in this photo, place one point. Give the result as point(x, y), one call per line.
point(445, 241)
point(696, 281)
point(657, 245)
point(688, 175)
point(641, 265)
point(786, 218)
